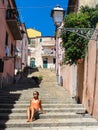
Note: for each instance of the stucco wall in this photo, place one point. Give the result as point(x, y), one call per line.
point(90, 99)
point(2, 30)
point(8, 73)
point(68, 74)
point(80, 80)
point(95, 107)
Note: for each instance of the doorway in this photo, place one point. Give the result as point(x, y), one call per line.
point(45, 62)
point(32, 63)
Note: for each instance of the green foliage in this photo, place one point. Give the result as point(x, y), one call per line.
point(92, 13)
point(75, 45)
point(40, 77)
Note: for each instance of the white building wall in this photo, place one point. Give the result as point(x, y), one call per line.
point(38, 56)
point(50, 63)
point(90, 3)
point(38, 49)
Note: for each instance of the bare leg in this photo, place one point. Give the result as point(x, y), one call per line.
point(32, 113)
point(28, 114)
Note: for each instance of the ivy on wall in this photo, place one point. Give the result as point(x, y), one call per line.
point(76, 46)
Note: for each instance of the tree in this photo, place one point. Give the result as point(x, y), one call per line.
point(76, 46)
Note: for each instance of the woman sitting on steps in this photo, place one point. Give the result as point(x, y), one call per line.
point(35, 107)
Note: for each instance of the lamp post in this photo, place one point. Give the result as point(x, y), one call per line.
point(57, 14)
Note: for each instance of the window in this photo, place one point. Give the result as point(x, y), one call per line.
point(6, 45)
point(12, 49)
point(40, 39)
point(29, 41)
point(54, 60)
point(3, 1)
point(6, 41)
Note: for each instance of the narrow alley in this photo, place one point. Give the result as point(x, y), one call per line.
point(61, 111)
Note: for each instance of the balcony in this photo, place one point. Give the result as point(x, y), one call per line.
point(48, 52)
point(13, 23)
point(48, 44)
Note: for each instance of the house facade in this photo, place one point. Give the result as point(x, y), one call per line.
point(42, 52)
point(22, 50)
point(9, 33)
point(32, 34)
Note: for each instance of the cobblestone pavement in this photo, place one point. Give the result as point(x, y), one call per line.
point(61, 111)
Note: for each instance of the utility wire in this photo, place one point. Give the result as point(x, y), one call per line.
point(27, 7)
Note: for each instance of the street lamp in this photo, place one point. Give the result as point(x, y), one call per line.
point(58, 14)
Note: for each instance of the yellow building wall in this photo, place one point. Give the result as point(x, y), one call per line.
point(33, 33)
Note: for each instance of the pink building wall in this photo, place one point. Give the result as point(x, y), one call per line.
point(68, 74)
point(2, 30)
point(22, 47)
point(95, 105)
point(90, 95)
point(89, 87)
point(86, 79)
point(8, 74)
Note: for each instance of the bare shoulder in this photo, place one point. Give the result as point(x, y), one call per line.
point(40, 100)
point(31, 99)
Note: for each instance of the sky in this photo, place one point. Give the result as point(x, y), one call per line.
point(36, 14)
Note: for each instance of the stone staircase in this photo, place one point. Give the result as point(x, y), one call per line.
point(61, 111)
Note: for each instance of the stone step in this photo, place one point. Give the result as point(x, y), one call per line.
point(42, 90)
point(49, 123)
point(27, 102)
point(44, 105)
point(62, 112)
point(23, 110)
point(44, 96)
point(55, 128)
point(55, 115)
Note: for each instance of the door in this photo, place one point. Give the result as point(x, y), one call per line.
point(45, 63)
point(32, 63)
